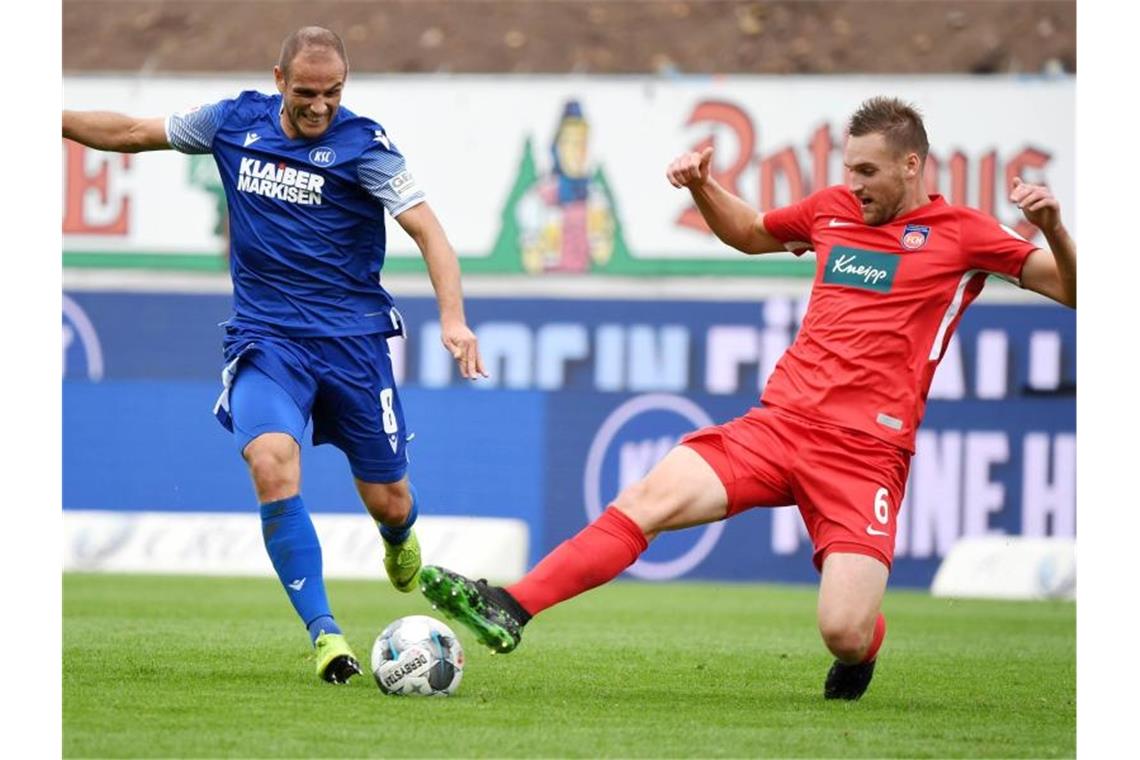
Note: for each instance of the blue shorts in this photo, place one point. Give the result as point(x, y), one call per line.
point(345, 384)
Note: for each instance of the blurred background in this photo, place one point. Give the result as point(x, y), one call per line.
point(582, 36)
point(611, 320)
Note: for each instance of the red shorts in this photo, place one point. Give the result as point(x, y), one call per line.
point(848, 484)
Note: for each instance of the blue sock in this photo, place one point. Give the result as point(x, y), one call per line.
point(296, 555)
point(324, 623)
point(398, 534)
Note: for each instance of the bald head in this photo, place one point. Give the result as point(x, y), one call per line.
point(306, 38)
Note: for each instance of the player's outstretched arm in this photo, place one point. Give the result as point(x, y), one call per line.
point(421, 224)
point(104, 130)
point(731, 219)
point(1053, 272)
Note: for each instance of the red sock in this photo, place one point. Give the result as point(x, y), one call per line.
point(876, 638)
point(597, 554)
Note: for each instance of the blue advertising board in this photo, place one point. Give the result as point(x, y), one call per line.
point(585, 396)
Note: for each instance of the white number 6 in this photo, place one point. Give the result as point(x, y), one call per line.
point(882, 509)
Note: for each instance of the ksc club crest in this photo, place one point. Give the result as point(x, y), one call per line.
point(914, 236)
point(632, 439)
point(322, 156)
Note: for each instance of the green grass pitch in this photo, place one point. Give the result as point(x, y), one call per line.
point(162, 666)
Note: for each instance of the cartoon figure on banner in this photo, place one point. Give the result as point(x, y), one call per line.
point(565, 219)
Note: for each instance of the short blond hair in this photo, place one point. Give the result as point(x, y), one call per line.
point(898, 122)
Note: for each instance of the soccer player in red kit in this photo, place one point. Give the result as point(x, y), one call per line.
point(896, 268)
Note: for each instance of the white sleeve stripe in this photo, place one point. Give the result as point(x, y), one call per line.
point(951, 311)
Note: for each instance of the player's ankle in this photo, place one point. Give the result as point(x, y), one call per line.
point(508, 602)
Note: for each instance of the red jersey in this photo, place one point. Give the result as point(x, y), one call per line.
point(883, 306)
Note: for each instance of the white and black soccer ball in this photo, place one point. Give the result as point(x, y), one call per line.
point(417, 655)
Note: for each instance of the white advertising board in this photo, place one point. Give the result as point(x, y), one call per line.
point(485, 150)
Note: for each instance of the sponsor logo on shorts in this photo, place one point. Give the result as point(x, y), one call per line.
point(855, 267)
point(633, 438)
point(875, 532)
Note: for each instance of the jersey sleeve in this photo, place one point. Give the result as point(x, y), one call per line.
point(193, 130)
point(792, 225)
point(990, 246)
point(384, 175)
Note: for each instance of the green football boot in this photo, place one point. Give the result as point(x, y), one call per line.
point(402, 563)
point(335, 661)
point(492, 614)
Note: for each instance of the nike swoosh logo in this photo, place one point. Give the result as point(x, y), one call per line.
point(837, 223)
point(872, 532)
point(250, 139)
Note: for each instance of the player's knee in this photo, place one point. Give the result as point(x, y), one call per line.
point(274, 467)
point(638, 502)
point(389, 503)
point(846, 637)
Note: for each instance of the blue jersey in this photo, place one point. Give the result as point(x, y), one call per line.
point(307, 236)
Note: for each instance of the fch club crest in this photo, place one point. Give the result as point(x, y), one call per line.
point(914, 236)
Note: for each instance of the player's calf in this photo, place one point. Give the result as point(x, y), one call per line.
point(394, 507)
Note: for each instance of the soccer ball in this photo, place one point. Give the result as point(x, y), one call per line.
point(417, 655)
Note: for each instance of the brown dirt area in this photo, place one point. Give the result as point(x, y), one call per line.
point(582, 36)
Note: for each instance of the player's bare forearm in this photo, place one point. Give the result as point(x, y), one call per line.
point(421, 223)
point(732, 220)
point(105, 130)
point(457, 337)
point(443, 270)
point(1064, 251)
point(1052, 273)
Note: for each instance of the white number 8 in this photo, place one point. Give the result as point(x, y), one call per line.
point(390, 423)
point(882, 509)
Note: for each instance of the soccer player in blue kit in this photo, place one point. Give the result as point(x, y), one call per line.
point(307, 182)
